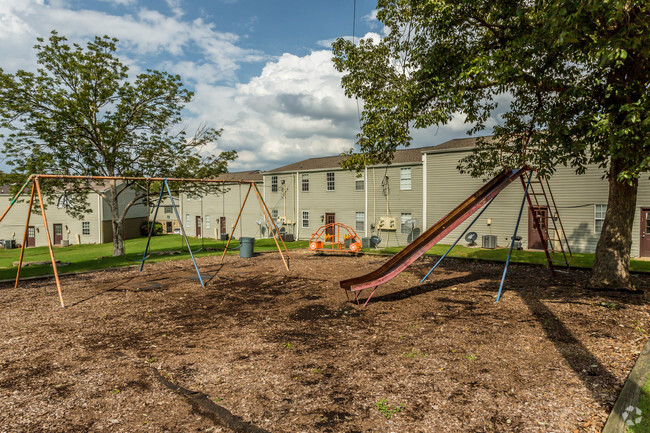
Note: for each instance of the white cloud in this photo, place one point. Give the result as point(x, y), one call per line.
point(147, 32)
point(371, 19)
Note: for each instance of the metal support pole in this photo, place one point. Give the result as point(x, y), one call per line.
point(153, 223)
point(49, 241)
point(457, 240)
point(263, 204)
point(22, 247)
point(270, 221)
point(178, 217)
point(512, 241)
point(236, 221)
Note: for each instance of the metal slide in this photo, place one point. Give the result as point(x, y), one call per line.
point(434, 234)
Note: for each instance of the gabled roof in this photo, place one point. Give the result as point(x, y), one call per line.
point(402, 156)
point(250, 175)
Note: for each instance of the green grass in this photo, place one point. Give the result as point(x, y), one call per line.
point(90, 257)
point(580, 260)
point(644, 405)
point(93, 257)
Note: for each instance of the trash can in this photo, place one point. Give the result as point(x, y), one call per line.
point(246, 246)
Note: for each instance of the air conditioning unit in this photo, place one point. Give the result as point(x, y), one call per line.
point(489, 241)
point(387, 223)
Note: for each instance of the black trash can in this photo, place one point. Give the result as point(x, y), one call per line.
point(246, 247)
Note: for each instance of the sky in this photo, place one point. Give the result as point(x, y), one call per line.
point(260, 69)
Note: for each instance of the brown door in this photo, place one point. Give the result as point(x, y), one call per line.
point(645, 233)
point(330, 219)
point(31, 236)
point(222, 225)
point(58, 233)
point(168, 227)
point(198, 226)
point(534, 241)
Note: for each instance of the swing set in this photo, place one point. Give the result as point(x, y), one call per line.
point(34, 179)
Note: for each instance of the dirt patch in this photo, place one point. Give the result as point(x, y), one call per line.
point(283, 352)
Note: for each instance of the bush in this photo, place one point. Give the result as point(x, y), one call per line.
point(157, 228)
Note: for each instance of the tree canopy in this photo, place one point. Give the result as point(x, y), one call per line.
point(576, 77)
point(575, 73)
point(80, 113)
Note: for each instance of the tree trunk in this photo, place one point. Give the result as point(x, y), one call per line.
point(612, 263)
point(117, 221)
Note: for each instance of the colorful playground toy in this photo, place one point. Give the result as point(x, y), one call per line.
point(332, 235)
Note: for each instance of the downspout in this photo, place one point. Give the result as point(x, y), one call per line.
point(100, 218)
point(297, 203)
point(424, 191)
point(365, 210)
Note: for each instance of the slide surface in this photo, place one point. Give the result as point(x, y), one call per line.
point(434, 234)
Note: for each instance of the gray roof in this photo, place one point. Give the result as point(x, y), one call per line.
point(4, 189)
point(251, 175)
point(402, 156)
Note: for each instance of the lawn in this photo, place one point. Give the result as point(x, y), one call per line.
point(88, 257)
point(580, 260)
point(79, 258)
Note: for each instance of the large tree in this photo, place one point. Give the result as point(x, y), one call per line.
point(575, 76)
point(81, 114)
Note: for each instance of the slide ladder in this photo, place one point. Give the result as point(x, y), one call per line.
point(548, 224)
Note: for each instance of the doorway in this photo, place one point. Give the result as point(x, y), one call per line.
point(222, 225)
point(534, 241)
point(31, 236)
point(58, 233)
point(168, 227)
point(330, 218)
point(645, 233)
point(198, 226)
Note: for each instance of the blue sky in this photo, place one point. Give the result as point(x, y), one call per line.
point(261, 69)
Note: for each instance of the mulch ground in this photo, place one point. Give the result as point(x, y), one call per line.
point(261, 349)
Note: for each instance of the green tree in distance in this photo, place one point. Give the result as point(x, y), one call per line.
point(576, 75)
point(80, 114)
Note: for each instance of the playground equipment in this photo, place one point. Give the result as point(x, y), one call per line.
point(483, 197)
point(332, 234)
point(34, 179)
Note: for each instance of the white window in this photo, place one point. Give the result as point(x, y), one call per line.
point(85, 227)
point(187, 220)
point(169, 209)
point(405, 179)
point(305, 183)
point(358, 183)
point(599, 217)
point(206, 219)
point(405, 228)
point(305, 219)
point(330, 181)
point(360, 222)
point(274, 184)
point(274, 214)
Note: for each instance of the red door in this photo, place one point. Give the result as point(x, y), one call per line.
point(645, 233)
point(31, 236)
point(198, 226)
point(222, 225)
point(330, 219)
point(534, 241)
point(58, 233)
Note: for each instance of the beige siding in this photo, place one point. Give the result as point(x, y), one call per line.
point(575, 195)
point(345, 201)
point(212, 207)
